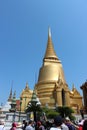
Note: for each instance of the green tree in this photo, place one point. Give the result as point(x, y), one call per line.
point(50, 113)
point(32, 107)
point(65, 111)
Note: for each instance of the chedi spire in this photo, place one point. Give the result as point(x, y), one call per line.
point(50, 53)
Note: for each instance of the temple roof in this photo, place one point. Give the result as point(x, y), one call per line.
point(50, 53)
point(27, 87)
point(14, 95)
point(10, 95)
point(75, 91)
point(26, 91)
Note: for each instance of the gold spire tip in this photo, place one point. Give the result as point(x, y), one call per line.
point(49, 32)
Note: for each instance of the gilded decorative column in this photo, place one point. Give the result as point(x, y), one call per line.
point(67, 98)
point(59, 97)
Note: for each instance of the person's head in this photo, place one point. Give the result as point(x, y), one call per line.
point(64, 120)
point(38, 123)
point(30, 122)
point(67, 119)
point(85, 125)
point(14, 124)
point(58, 120)
point(24, 121)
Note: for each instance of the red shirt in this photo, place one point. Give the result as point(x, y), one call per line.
point(80, 128)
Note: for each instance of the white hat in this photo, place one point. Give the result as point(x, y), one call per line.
point(67, 118)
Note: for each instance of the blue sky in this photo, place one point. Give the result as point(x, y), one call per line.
point(23, 39)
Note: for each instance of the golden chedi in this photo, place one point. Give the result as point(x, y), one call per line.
point(52, 89)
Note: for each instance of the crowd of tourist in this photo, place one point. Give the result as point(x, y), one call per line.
point(58, 123)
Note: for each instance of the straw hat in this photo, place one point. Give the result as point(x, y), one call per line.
point(19, 125)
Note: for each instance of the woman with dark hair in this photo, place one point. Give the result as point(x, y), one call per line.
point(85, 125)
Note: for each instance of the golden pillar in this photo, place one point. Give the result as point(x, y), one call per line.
point(59, 97)
point(67, 98)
